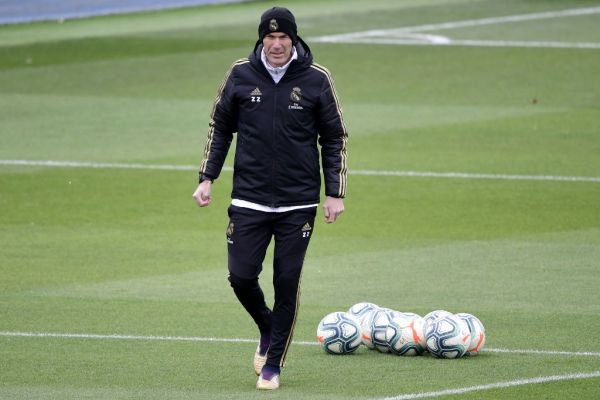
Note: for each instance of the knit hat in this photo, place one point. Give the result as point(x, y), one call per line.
point(278, 19)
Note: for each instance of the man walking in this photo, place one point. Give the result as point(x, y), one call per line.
point(281, 104)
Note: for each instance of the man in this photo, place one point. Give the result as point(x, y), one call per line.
point(281, 105)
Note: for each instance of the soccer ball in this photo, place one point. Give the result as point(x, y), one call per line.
point(379, 326)
point(364, 313)
point(366, 327)
point(432, 316)
point(477, 333)
point(405, 335)
point(447, 337)
point(410, 315)
point(361, 309)
point(339, 333)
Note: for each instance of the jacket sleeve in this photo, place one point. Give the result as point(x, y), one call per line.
point(222, 125)
point(333, 138)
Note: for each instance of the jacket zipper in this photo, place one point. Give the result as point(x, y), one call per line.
point(274, 143)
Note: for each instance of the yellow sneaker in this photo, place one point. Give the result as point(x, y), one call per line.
point(259, 361)
point(268, 384)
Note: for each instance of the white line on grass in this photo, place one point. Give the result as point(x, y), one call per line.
point(464, 175)
point(407, 35)
point(544, 352)
point(124, 337)
point(409, 174)
point(504, 19)
point(99, 165)
point(240, 340)
point(404, 40)
point(460, 24)
point(498, 385)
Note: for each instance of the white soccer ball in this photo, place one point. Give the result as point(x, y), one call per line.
point(410, 315)
point(477, 333)
point(447, 337)
point(405, 335)
point(366, 327)
point(360, 309)
point(380, 323)
point(339, 333)
point(433, 315)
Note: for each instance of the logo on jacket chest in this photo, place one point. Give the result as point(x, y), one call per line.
point(295, 97)
point(255, 95)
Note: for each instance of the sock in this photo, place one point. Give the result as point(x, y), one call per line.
point(265, 341)
point(269, 371)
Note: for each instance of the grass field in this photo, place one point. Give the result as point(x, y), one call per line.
point(113, 282)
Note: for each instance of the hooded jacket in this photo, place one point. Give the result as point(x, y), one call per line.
point(278, 127)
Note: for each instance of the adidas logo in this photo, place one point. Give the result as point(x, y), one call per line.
point(306, 227)
point(256, 92)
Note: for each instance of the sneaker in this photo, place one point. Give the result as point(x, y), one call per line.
point(267, 381)
point(259, 360)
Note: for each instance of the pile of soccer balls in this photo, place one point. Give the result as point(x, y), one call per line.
point(441, 333)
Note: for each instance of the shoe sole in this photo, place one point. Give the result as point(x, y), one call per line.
point(262, 384)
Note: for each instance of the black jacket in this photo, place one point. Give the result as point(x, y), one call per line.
point(278, 127)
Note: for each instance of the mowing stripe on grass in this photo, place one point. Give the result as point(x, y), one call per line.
point(15, 12)
point(409, 174)
point(499, 385)
point(240, 340)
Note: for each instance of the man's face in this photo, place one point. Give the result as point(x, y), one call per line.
point(278, 48)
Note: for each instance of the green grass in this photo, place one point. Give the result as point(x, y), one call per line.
point(113, 251)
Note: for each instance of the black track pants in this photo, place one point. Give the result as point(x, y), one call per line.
point(248, 235)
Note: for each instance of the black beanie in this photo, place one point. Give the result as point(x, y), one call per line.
point(278, 19)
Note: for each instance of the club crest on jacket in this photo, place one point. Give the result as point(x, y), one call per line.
point(296, 94)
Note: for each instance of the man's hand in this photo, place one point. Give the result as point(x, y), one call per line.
point(332, 208)
point(202, 193)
